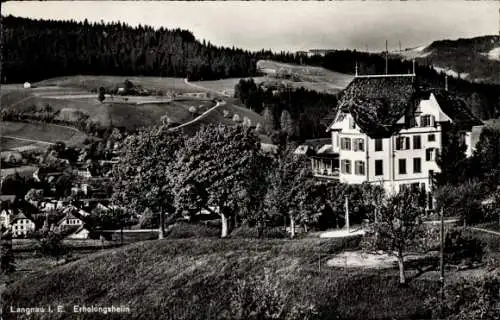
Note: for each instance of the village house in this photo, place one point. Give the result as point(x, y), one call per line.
point(21, 225)
point(6, 216)
point(70, 220)
point(81, 233)
point(389, 131)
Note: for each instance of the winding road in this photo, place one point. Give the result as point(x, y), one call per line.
point(200, 117)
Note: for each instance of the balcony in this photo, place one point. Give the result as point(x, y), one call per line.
point(326, 174)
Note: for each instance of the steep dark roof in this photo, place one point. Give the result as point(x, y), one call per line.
point(378, 102)
point(457, 110)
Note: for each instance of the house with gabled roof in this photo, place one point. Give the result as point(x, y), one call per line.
point(21, 225)
point(70, 222)
point(388, 130)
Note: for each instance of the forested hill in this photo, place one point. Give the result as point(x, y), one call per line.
point(476, 59)
point(40, 49)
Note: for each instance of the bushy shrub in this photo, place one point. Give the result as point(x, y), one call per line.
point(191, 230)
point(253, 232)
point(460, 248)
point(467, 299)
point(50, 243)
point(266, 296)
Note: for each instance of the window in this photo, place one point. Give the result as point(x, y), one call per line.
point(345, 143)
point(379, 167)
point(431, 137)
point(359, 144)
point(359, 167)
point(402, 166)
point(402, 143)
point(417, 165)
point(378, 145)
point(345, 166)
point(352, 124)
point(426, 121)
point(417, 142)
point(429, 154)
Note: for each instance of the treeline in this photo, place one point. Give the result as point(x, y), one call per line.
point(37, 49)
point(302, 114)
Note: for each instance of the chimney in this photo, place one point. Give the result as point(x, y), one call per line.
point(356, 70)
point(413, 61)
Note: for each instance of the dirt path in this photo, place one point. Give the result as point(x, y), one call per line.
point(486, 230)
point(203, 115)
point(29, 140)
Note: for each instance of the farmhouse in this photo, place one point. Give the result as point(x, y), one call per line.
point(389, 131)
point(21, 225)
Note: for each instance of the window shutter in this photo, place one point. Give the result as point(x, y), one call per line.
point(431, 121)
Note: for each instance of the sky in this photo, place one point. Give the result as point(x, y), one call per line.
point(289, 26)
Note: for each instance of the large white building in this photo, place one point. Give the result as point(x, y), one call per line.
point(388, 131)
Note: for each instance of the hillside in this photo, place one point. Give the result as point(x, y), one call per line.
point(212, 278)
point(23, 136)
point(475, 59)
point(71, 99)
point(304, 76)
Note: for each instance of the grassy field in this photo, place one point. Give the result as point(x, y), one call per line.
point(224, 86)
point(312, 78)
point(110, 82)
point(218, 116)
point(42, 132)
point(198, 279)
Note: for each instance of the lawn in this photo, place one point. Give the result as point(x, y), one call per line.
point(198, 279)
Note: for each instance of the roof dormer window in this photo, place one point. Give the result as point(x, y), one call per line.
point(427, 120)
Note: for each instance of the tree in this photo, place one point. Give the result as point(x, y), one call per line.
point(286, 123)
point(214, 171)
point(268, 120)
point(102, 95)
point(451, 160)
point(7, 262)
point(399, 228)
point(292, 193)
point(50, 243)
point(462, 200)
point(142, 179)
point(35, 195)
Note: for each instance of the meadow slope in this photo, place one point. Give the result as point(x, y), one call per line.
point(199, 278)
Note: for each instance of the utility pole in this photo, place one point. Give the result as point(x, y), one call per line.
point(441, 260)
point(386, 58)
point(441, 253)
point(347, 214)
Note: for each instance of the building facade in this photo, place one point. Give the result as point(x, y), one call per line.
point(389, 131)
